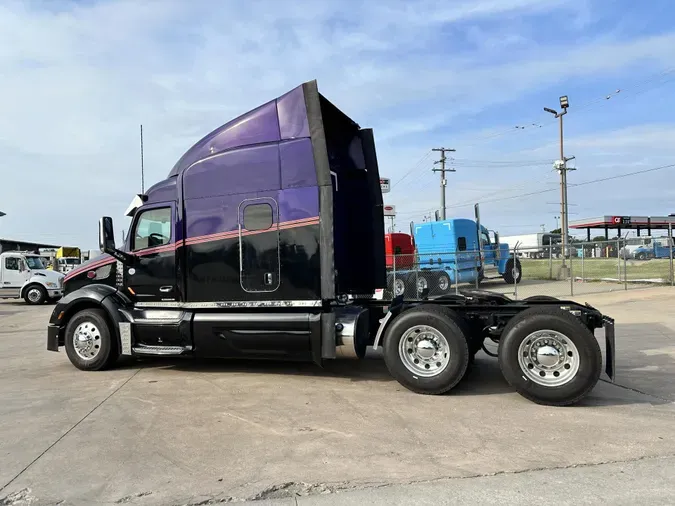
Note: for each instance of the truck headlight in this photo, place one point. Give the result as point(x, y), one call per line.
point(50, 284)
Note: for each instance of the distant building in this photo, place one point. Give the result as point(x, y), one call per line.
point(12, 245)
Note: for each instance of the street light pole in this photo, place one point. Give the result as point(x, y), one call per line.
point(561, 165)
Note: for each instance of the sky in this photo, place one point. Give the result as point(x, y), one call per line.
point(77, 78)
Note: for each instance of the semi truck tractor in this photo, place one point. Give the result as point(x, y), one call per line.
point(68, 258)
point(404, 275)
point(25, 276)
point(439, 254)
point(266, 240)
point(462, 248)
point(644, 248)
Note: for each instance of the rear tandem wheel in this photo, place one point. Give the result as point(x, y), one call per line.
point(549, 356)
point(426, 349)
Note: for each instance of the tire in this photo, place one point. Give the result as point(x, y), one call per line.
point(541, 298)
point(441, 324)
point(556, 326)
point(641, 256)
point(508, 272)
point(35, 294)
point(439, 284)
point(93, 325)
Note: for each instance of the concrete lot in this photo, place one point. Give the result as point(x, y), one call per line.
point(180, 432)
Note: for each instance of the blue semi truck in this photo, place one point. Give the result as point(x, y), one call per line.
point(457, 247)
point(644, 248)
point(445, 253)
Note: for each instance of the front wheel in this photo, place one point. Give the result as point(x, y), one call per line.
point(35, 294)
point(549, 356)
point(512, 274)
point(426, 349)
point(641, 256)
point(89, 342)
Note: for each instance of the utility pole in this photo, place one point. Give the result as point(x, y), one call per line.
point(444, 182)
point(561, 167)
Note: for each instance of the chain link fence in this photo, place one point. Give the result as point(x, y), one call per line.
point(588, 267)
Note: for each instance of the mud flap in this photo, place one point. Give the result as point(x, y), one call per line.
point(610, 347)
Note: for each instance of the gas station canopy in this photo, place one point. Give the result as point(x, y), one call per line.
point(618, 223)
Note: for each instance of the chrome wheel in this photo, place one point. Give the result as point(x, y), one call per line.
point(87, 340)
point(548, 358)
point(424, 351)
point(34, 295)
point(422, 285)
point(443, 282)
point(399, 287)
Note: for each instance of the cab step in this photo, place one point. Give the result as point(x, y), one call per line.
point(160, 350)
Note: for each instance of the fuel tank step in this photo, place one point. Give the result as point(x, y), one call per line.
point(160, 350)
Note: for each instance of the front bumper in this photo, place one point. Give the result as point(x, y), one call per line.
point(55, 293)
point(610, 347)
point(53, 332)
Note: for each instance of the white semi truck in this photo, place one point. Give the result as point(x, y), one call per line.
point(24, 276)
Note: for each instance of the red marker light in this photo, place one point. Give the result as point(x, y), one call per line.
point(91, 274)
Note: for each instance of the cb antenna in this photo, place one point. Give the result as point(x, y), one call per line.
point(142, 168)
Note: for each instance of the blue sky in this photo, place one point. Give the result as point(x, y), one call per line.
point(79, 77)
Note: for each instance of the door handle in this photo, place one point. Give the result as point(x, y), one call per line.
point(165, 288)
point(268, 278)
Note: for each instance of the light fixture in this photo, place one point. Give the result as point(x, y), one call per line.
point(564, 102)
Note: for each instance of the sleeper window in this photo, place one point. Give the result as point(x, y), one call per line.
point(461, 243)
point(258, 217)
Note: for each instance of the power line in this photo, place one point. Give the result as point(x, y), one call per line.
point(414, 167)
point(636, 88)
point(586, 105)
point(619, 176)
point(539, 192)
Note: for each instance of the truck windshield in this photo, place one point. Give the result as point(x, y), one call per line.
point(35, 263)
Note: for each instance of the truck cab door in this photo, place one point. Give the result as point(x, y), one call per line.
point(152, 241)
point(259, 261)
point(14, 274)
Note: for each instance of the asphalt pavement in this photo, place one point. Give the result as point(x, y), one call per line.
point(179, 432)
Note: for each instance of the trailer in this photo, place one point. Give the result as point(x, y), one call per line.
point(253, 247)
point(538, 245)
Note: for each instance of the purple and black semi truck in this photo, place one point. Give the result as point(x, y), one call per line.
point(266, 240)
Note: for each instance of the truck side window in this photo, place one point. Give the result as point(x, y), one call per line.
point(12, 264)
point(485, 239)
point(258, 217)
point(461, 243)
point(153, 228)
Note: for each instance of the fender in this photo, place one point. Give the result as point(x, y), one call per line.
point(394, 309)
point(100, 296)
point(33, 280)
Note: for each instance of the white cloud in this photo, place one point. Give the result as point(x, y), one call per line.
point(79, 78)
